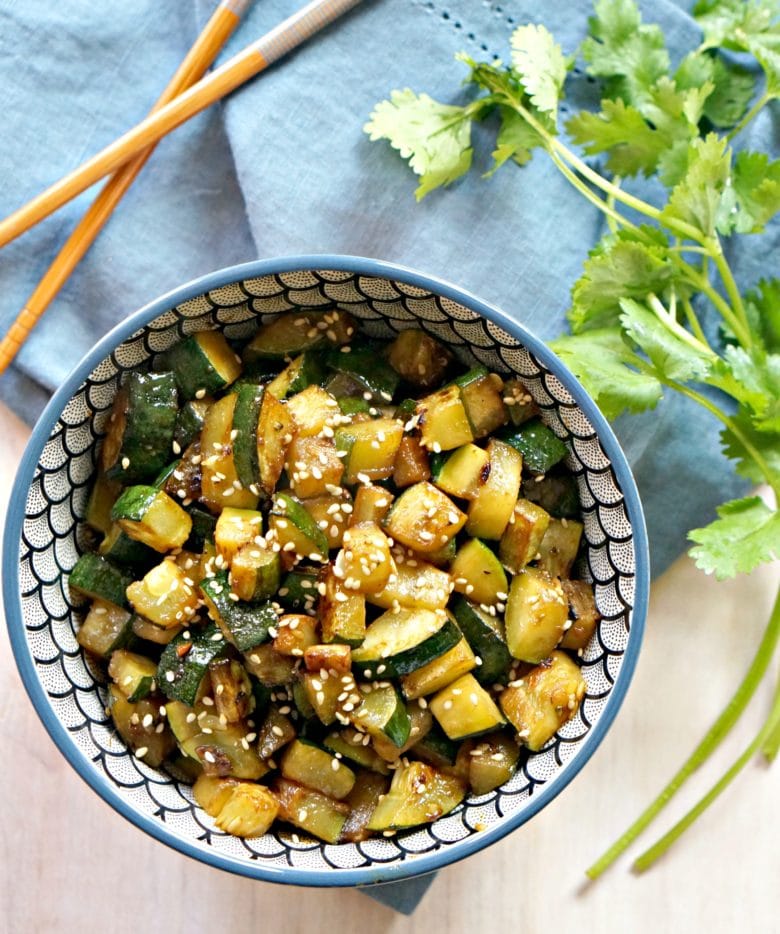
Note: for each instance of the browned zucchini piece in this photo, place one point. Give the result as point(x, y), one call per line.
point(423, 518)
point(371, 447)
point(275, 432)
point(236, 528)
point(310, 810)
point(311, 410)
point(492, 762)
point(309, 765)
point(442, 420)
point(520, 542)
point(411, 463)
point(163, 596)
point(583, 613)
point(464, 708)
point(220, 486)
point(492, 507)
point(232, 689)
point(418, 794)
point(366, 792)
point(274, 734)
point(269, 667)
point(137, 724)
point(342, 612)
point(536, 613)
point(295, 632)
point(416, 583)
point(440, 672)
point(421, 360)
point(371, 504)
point(313, 466)
point(248, 811)
point(558, 549)
point(364, 562)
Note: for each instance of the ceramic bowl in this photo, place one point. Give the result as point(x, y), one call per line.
point(44, 536)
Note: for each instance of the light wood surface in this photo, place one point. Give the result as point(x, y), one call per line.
point(68, 863)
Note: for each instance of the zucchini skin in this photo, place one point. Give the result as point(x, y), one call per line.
point(408, 660)
point(149, 404)
point(93, 576)
point(245, 625)
point(541, 448)
point(179, 675)
point(486, 640)
point(246, 413)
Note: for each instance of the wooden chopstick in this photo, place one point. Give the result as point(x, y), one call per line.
point(251, 61)
point(215, 34)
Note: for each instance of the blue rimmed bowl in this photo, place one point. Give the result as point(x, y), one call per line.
point(44, 535)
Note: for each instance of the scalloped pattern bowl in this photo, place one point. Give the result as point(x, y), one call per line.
point(44, 535)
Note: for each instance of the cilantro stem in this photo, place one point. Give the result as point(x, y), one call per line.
point(604, 206)
point(727, 277)
point(671, 323)
point(710, 742)
point(693, 321)
point(749, 116)
point(772, 744)
point(646, 860)
point(703, 284)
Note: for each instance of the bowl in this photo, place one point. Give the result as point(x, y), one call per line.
point(44, 536)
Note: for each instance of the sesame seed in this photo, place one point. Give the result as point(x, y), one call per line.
point(141, 752)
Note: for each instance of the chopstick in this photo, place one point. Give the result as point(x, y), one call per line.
point(251, 61)
point(215, 33)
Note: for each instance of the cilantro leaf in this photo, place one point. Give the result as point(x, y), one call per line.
point(696, 198)
point(762, 306)
point(755, 195)
point(669, 354)
point(620, 267)
point(745, 534)
point(757, 376)
point(434, 137)
point(516, 138)
point(766, 443)
point(608, 369)
point(630, 54)
point(540, 65)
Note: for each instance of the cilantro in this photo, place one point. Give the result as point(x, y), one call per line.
point(540, 65)
point(742, 442)
point(745, 534)
point(515, 140)
point(762, 307)
point(754, 197)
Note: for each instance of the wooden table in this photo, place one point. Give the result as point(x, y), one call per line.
point(69, 863)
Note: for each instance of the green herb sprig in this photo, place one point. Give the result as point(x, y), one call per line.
point(639, 309)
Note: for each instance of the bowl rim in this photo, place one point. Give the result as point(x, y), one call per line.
point(375, 873)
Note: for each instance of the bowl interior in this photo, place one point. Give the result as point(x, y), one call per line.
point(45, 536)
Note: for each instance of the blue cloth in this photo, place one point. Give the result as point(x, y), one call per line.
point(283, 166)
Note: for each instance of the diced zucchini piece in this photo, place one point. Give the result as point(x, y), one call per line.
point(163, 596)
point(244, 625)
point(383, 713)
point(231, 688)
point(203, 364)
point(236, 528)
point(436, 749)
point(348, 743)
point(332, 514)
point(520, 542)
point(151, 632)
point(311, 410)
point(464, 708)
point(308, 765)
point(133, 674)
point(519, 402)
point(371, 504)
point(420, 720)
point(423, 518)
point(559, 547)
point(313, 467)
point(310, 810)
point(440, 672)
point(140, 431)
point(246, 414)
point(218, 746)
point(269, 667)
point(150, 516)
point(411, 464)
point(93, 576)
point(189, 422)
point(119, 547)
point(543, 700)
point(275, 432)
point(364, 562)
point(492, 762)
point(492, 507)
point(295, 530)
point(583, 613)
point(535, 615)
point(220, 485)
point(303, 371)
point(342, 612)
point(323, 693)
point(416, 583)
point(274, 734)
point(185, 661)
point(485, 635)
point(299, 589)
point(211, 792)
point(481, 393)
point(335, 659)
point(203, 526)
point(137, 722)
point(101, 498)
point(442, 420)
point(299, 330)
point(477, 572)
point(557, 493)
point(368, 789)
point(418, 794)
point(443, 557)
point(421, 360)
point(367, 367)
point(371, 448)
point(106, 627)
point(400, 641)
point(249, 810)
point(294, 634)
point(255, 572)
point(540, 446)
point(464, 472)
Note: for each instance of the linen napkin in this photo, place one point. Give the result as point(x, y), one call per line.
point(282, 166)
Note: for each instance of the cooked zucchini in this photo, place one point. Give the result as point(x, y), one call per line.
point(421, 360)
point(317, 814)
point(106, 627)
point(269, 667)
point(342, 612)
point(415, 583)
point(540, 447)
point(423, 518)
point(135, 675)
point(295, 633)
point(301, 330)
point(295, 530)
point(558, 549)
point(220, 484)
point(400, 641)
point(243, 434)
point(137, 722)
point(275, 432)
point(307, 764)
point(464, 472)
point(189, 423)
point(383, 713)
point(477, 572)
point(364, 562)
point(313, 466)
point(412, 464)
point(368, 789)
point(231, 688)
point(255, 572)
point(203, 364)
point(101, 498)
point(371, 504)
point(94, 577)
point(348, 743)
point(482, 393)
point(536, 613)
point(485, 634)
point(221, 748)
point(275, 733)
point(442, 420)
point(583, 613)
point(367, 367)
point(248, 811)
point(418, 794)
point(185, 662)
point(464, 708)
point(164, 596)
point(439, 672)
point(301, 372)
point(492, 507)
point(244, 625)
point(236, 528)
point(370, 449)
point(311, 410)
point(492, 762)
point(150, 516)
point(520, 542)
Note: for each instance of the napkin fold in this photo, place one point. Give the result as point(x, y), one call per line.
point(282, 166)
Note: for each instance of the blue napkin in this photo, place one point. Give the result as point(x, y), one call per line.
point(282, 166)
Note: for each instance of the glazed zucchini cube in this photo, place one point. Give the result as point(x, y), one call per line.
point(311, 410)
point(255, 572)
point(421, 360)
point(536, 614)
point(418, 794)
point(231, 688)
point(464, 472)
point(364, 562)
point(332, 515)
point(298, 331)
point(295, 633)
point(492, 507)
point(477, 572)
point(482, 393)
point(308, 765)
point(411, 463)
point(275, 432)
point(164, 596)
point(421, 722)
point(584, 615)
point(519, 402)
point(415, 583)
point(487, 638)
point(520, 542)
point(371, 448)
point(317, 814)
point(349, 743)
point(558, 549)
point(313, 467)
point(220, 485)
point(137, 722)
point(203, 364)
point(249, 811)
point(402, 640)
point(221, 748)
point(423, 518)
point(295, 530)
point(269, 667)
point(439, 672)
point(275, 732)
point(342, 612)
point(150, 516)
point(133, 674)
point(369, 787)
point(543, 700)
point(371, 504)
point(236, 528)
point(327, 695)
point(382, 713)
point(211, 792)
point(336, 659)
point(442, 420)
point(464, 708)
point(492, 762)
point(106, 627)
